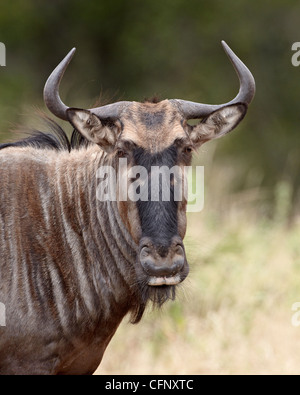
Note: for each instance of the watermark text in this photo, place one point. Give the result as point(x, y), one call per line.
point(2, 55)
point(2, 315)
point(296, 56)
point(160, 183)
point(296, 316)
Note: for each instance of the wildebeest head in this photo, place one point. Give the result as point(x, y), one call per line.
point(153, 135)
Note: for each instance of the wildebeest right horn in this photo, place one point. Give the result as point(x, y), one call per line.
point(58, 108)
point(192, 110)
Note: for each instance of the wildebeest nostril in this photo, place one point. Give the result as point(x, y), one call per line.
point(179, 250)
point(178, 263)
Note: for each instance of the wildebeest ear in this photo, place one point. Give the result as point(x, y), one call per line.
point(218, 123)
point(104, 133)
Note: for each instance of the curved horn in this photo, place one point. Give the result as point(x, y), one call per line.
point(58, 108)
point(192, 110)
point(51, 89)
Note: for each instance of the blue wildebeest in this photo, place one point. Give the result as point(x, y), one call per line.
point(72, 266)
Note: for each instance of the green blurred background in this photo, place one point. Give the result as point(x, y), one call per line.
point(135, 49)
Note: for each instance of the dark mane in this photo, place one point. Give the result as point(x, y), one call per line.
point(54, 138)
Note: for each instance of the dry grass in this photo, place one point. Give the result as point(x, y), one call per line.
point(233, 313)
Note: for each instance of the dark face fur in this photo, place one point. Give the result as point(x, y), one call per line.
point(155, 135)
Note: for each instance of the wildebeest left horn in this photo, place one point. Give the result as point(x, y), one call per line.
point(58, 108)
point(192, 110)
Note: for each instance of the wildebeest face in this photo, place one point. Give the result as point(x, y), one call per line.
point(155, 140)
point(156, 143)
point(154, 135)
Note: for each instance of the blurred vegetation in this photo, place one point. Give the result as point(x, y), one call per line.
point(133, 49)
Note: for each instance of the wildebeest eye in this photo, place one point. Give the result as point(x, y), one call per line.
point(187, 150)
point(121, 153)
